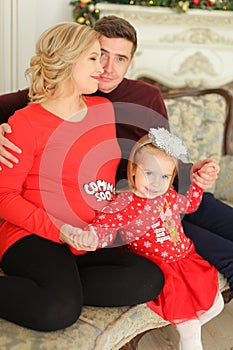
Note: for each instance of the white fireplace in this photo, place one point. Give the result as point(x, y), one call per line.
point(193, 49)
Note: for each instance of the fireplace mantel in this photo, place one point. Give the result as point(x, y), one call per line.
point(194, 49)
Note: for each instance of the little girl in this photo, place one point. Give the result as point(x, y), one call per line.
point(148, 219)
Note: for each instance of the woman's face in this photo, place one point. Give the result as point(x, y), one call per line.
point(87, 70)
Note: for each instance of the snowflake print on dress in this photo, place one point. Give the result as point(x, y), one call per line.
point(147, 207)
point(139, 222)
point(148, 220)
point(165, 254)
point(147, 244)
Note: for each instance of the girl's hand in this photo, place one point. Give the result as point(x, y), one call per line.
point(78, 238)
point(6, 157)
point(205, 173)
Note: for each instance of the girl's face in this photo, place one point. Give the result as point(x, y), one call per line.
point(87, 70)
point(153, 173)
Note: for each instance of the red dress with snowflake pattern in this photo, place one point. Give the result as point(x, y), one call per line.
point(152, 228)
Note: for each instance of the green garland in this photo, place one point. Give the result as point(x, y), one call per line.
point(85, 11)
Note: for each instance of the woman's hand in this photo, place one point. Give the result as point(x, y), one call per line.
point(6, 157)
point(205, 173)
point(78, 238)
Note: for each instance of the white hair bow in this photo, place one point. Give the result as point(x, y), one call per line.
point(169, 143)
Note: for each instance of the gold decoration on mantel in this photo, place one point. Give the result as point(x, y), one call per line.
point(159, 15)
point(197, 36)
point(196, 64)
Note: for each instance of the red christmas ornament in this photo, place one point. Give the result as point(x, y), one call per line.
point(77, 9)
point(209, 3)
point(196, 2)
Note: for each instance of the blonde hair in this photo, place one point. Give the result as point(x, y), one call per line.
point(57, 50)
point(141, 144)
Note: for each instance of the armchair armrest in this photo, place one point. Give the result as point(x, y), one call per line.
point(224, 183)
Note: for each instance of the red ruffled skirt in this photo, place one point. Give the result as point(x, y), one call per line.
point(190, 289)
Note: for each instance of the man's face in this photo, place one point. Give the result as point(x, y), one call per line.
point(115, 59)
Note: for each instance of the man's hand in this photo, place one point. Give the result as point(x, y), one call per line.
point(205, 173)
point(78, 238)
point(6, 157)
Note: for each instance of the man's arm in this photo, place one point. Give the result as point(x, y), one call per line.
point(6, 157)
point(9, 103)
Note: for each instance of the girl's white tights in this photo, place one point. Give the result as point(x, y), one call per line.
point(190, 331)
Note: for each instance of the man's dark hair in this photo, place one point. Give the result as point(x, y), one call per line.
point(117, 27)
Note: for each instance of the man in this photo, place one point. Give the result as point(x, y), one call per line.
point(138, 106)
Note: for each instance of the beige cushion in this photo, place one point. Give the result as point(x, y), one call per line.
point(224, 184)
point(199, 121)
point(98, 328)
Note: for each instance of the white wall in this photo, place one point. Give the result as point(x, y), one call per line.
point(21, 23)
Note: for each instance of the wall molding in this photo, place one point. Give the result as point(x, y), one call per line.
point(16, 41)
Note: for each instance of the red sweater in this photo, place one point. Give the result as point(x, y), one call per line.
point(65, 173)
point(138, 107)
point(149, 226)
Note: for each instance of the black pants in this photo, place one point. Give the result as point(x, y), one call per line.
point(211, 230)
point(47, 285)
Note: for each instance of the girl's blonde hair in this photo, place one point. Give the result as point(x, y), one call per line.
point(57, 50)
point(141, 144)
